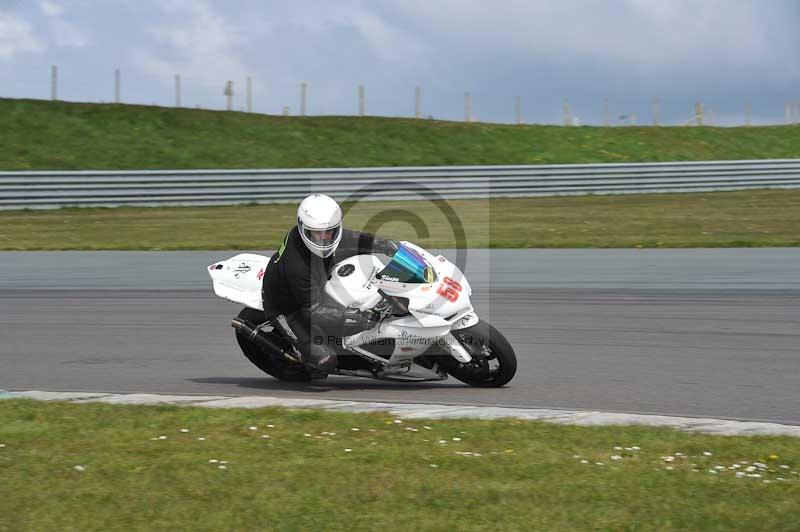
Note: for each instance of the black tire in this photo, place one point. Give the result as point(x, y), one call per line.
point(271, 363)
point(493, 363)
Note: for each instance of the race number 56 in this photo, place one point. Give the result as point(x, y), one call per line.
point(449, 289)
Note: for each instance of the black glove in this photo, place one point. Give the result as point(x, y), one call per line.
point(387, 247)
point(356, 320)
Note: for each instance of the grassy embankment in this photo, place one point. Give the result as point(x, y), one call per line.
point(42, 135)
point(314, 471)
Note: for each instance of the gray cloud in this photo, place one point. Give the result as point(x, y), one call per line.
point(723, 52)
point(17, 37)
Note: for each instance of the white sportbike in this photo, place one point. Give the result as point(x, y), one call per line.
point(427, 330)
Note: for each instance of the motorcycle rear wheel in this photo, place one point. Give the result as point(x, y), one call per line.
point(270, 363)
point(493, 363)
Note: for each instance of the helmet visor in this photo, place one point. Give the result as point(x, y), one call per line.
point(323, 237)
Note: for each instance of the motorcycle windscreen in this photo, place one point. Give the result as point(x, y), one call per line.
point(407, 266)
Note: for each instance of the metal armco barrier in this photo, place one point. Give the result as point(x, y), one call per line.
point(20, 190)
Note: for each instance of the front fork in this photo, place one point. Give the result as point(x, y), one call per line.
point(456, 349)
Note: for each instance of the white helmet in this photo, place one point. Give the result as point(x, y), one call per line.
point(319, 220)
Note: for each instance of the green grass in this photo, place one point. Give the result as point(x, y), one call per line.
point(42, 135)
point(720, 219)
point(529, 475)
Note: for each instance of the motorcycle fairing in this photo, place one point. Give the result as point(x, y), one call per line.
point(239, 279)
point(431, 317)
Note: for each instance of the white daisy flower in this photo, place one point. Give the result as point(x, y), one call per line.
point(348, 450)
point(706, 453)
point(79, 468)
point(184, 430)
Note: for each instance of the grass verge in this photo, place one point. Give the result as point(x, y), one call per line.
point(718, 219)
point(101, 467)
point(44, 135)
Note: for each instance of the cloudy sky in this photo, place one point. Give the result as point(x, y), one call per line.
point(722, 52)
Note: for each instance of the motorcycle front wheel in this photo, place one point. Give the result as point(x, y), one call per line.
point(493, 363)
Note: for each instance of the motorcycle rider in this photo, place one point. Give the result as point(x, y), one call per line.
point(295, 276)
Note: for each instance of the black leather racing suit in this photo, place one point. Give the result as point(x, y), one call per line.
point(293, 286)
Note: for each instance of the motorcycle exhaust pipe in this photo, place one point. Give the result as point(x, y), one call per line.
point(253, 334)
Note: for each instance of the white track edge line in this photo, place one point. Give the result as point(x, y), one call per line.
point(429, 411)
